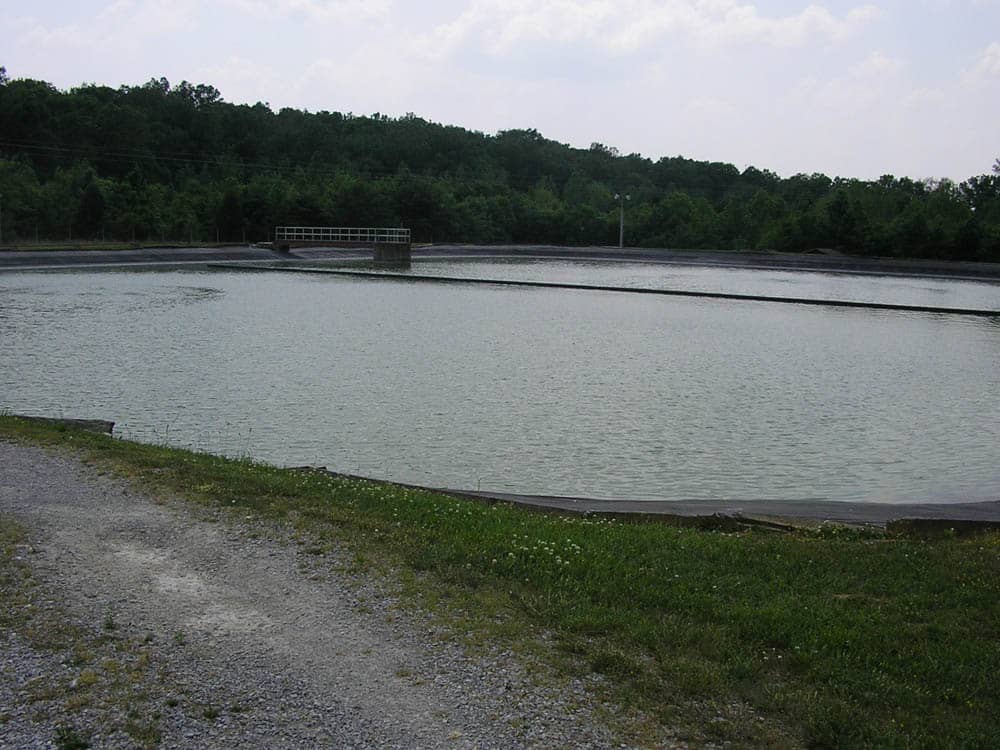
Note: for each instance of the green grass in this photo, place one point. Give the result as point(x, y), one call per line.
point(829, 638)
point(67, 738)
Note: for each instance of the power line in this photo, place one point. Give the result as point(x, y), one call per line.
point(127, 156)
point(131, 156)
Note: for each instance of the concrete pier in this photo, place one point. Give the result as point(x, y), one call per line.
point(396, 253)
point(390, 245)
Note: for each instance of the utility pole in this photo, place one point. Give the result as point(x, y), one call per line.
point(621, 198)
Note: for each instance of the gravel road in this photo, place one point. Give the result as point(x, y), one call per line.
point(253, 642)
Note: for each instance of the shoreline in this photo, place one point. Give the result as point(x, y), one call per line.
point(982, 514)
point(751, 260)
point(209, 629)
point(778, 514)
point(233, 595)
point(406, 277)
point(755, 511)
point(985, 513)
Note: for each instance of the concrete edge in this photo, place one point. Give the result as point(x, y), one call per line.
point(685, 514)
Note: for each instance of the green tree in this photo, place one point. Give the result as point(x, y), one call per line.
point(680, 221)
point(423, 205)
point(21, 199)
point(90, 213)
point(179, 161)
point(844, 222)
point(229, 217)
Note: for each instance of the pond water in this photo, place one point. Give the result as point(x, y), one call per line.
point(542, 391)
point(888, 289)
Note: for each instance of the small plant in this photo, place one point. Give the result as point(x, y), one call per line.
point(109, 620)
point(211, 712)
point(146, 733)
point(87, 678)
point(67, 738)
point(179, 639)
point(81, 655)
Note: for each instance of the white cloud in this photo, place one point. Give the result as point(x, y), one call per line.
point(878, 76)
point(925, 98)
point(708, 110)
point(149, 18)
point(124, 25)
point(347, 12)
point(501, 26)
point(989, 62)
point(878, 66)
point(795, 85)
point(242, 80)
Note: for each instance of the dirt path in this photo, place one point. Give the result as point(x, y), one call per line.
point(255, 642)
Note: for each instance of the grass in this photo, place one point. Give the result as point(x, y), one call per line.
point(825, 638)
point(67, 738)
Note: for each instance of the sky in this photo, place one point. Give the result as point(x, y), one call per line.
point(852, 89)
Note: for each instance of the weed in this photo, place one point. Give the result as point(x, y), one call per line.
point(68, 738)
point(81, 655)
point(87, 678)
point(146, 733)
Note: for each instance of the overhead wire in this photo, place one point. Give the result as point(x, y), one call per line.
point(127, 156)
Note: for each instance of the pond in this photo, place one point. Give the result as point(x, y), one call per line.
point(530, 390)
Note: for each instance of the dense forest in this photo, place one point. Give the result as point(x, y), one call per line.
point(161, 162)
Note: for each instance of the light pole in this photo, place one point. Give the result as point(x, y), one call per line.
point(621, 198)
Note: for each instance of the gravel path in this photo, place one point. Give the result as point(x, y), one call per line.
point(249, 640)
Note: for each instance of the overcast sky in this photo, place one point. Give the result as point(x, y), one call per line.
point(856, 89)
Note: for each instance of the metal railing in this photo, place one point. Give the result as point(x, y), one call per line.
point(342, 234)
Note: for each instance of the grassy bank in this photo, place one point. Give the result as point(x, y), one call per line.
point(827, 638)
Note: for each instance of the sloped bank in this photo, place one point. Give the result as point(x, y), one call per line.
point(828, 636)
point(919, 518)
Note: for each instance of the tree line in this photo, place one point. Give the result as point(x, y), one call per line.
point(178, 163)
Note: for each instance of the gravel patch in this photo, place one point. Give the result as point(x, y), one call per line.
point(233, 635)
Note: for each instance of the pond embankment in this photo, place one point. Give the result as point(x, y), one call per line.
point(130, 620)
point(32, 259)
point(817, 262)
point(154, 596)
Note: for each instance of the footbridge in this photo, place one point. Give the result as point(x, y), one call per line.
point(390, 244)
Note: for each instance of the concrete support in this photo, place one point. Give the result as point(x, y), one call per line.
point(392, 252)
point(383, 252)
